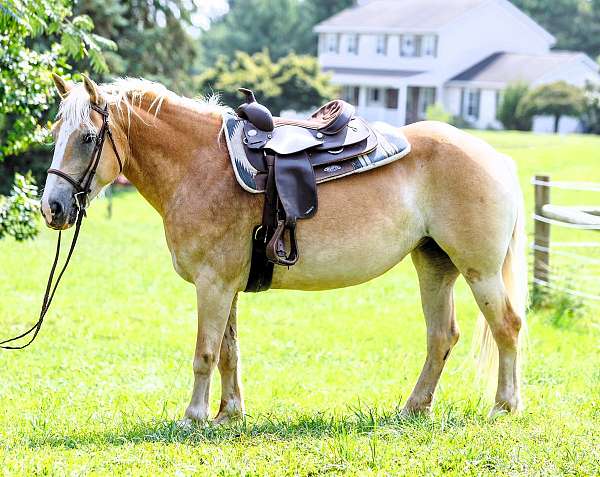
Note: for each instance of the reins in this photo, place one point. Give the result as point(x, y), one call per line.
point(81, 196)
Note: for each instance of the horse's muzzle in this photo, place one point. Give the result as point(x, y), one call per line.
point(60, 214)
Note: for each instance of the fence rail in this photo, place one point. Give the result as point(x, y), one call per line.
point(546, 215)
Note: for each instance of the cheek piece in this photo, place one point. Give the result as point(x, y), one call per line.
point(81, 197)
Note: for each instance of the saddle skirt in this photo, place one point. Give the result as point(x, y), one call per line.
point(391, 146)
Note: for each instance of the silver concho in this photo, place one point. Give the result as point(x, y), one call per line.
point(333, 168)
point(252, 132)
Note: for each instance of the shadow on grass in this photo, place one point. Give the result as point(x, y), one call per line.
point(358, 421)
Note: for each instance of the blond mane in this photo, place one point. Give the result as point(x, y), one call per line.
point(125, 94)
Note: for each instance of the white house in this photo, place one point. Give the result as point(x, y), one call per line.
point(394, 58)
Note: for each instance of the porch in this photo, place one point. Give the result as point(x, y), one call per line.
point(395, 106)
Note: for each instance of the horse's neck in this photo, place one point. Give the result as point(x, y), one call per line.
point(174, 153)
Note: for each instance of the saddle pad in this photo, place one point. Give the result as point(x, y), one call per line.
point(392, 145)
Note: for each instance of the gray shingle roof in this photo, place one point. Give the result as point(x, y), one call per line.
point(405, 14)
point(511, 67)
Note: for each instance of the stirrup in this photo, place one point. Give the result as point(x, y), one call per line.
point(276, 252)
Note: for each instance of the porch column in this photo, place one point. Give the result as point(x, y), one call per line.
point(402, 95)
point(362, 97)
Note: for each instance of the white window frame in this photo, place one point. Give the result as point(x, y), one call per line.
point(351, 94)
point(332, 43)
point(352, 42)
point(470, 104)
point(381, 45)
point(404, 46)
point(429, 46)
point(374, 97)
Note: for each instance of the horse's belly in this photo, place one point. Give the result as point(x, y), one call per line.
point(362, 229)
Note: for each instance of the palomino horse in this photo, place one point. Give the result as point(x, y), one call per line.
point(453, 203)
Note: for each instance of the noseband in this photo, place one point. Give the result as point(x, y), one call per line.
point(81, 196)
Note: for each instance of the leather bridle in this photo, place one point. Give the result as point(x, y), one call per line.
point(81, 196)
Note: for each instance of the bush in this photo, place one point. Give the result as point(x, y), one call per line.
point(461, 123)
point(436, 112)
point(555, 99)
point(508, 110)
point(19, 211)
point(591, 108)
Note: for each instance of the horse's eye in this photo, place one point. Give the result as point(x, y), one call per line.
point(88, 138)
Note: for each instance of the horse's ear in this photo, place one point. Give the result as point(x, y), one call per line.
point(92, 89)
point(63, 87)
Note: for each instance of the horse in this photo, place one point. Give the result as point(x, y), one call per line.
point(453, 203)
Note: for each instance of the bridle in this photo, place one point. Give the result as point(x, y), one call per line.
point(81, 196)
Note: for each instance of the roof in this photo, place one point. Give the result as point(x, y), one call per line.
point(415, 15)
point(510, 67)
point(405, 14)
point(369, 72)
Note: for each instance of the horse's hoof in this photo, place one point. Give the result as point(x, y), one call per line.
point(227, 418)
point(504, 408)
point(411, 412)
point(185, 424)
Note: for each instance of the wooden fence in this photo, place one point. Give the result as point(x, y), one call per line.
point(546, 215)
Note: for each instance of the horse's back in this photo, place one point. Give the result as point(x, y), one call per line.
point(444, 188)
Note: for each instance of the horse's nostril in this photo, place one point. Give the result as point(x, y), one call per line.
point(56, 208)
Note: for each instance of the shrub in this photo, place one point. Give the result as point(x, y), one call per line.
point(19, 211)
point(508, 109)
point(436, 112)
point(591, 108)
point(554, 99)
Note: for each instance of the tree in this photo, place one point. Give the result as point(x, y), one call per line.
point(555, 99)
point(508, 109)
point(37, 37)
point(294, 82)
point(281, 26)
point(591, 109)
point(153, 37)
point(575, 23)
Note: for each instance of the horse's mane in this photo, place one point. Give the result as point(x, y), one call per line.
point(125, 93)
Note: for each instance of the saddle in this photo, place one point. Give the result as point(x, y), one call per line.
point(285, 159)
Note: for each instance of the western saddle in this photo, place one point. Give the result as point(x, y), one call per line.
point(287, 152)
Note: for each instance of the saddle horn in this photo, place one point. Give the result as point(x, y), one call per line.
point(255, 112)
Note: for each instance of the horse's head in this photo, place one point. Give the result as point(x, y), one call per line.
point(76, 134)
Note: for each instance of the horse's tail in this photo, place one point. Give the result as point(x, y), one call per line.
point(514, 275)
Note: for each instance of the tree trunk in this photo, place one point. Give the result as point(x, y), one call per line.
point(556, 123)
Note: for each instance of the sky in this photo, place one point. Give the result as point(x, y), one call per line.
point(208, 9)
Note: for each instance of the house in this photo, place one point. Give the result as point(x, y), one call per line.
point(394, 58)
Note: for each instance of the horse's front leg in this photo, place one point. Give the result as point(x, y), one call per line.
point(214, 305)
point(232, 401)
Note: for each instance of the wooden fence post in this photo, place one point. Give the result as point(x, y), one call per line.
point(541, 253)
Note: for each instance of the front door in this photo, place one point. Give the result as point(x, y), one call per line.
point(417, 101)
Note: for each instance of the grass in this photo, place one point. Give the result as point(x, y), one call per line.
point(325, 373)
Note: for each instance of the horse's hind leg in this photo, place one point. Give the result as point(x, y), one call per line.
point(505, 324)
point(232, 402)
point(437, 276)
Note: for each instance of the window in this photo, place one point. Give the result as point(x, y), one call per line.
point(472, 99)
point(408, 45)
point(331, 43)
point(429, 46)
point(418, 46)
point(391, 98)
point(381, 45)
point(373, 96)
point(353, 44)
point(350, 94)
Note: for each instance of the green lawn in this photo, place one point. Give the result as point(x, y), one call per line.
point(100, 391)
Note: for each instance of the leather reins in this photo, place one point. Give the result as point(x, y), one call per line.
point(81, 196)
